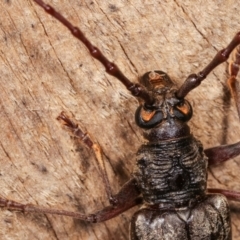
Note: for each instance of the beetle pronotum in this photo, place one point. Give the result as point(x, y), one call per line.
point(144, 71)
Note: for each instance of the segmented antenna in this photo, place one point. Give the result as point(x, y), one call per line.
point(194, 80)
point(136, 89)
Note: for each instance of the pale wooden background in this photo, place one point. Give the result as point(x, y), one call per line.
point(44, 70)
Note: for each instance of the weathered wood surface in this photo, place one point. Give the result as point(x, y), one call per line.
point(44, 70)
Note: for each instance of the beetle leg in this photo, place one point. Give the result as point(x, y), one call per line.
point(127, 197)
point(85, 138)
point(222, 153)
point(232, 81)
point(230, 195)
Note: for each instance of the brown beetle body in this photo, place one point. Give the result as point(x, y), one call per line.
point(169, 179)
point(171, 173)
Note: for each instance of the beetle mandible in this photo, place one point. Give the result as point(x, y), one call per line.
point(178, 194)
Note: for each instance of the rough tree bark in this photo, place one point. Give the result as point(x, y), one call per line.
point(44, 70)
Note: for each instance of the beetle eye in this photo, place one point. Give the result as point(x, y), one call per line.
point(147, 119)
point(183, 111)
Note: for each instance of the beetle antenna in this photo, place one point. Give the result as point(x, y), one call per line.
point(195, 80)
point(111, 68)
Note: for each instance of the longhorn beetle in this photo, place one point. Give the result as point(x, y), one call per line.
point(170, 175)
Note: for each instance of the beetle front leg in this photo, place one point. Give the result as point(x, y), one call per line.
point(72, 127)
point(126, 198)
point(222, 153)
point(232, 81)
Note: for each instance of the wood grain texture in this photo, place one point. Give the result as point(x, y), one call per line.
point(44, 70)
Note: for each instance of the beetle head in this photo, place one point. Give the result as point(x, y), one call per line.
point(167, 117)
